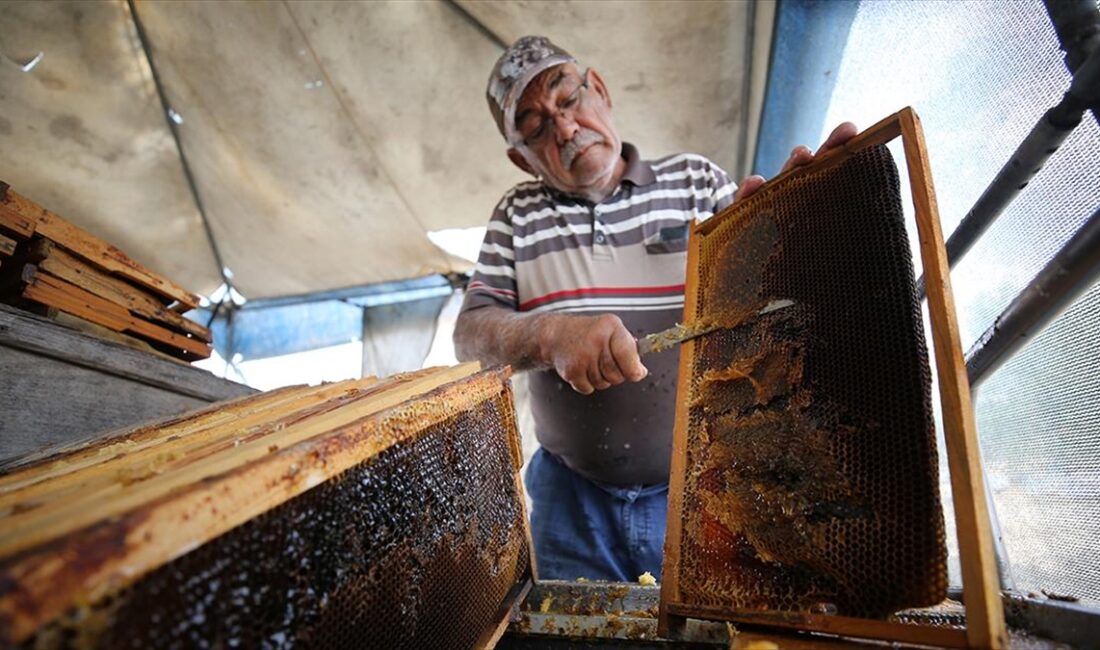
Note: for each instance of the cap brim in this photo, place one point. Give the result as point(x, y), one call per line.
point(515, 93)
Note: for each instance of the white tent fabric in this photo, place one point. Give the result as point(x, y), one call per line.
point(328, 138)
point(82, 133)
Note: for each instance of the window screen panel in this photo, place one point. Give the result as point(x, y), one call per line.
point(981, 74)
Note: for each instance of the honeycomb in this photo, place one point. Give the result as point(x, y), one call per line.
point(811, 474)
point(416, 547)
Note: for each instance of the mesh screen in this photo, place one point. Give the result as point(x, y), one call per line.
point(415, 548)
point(811, 463)
point(981, 74)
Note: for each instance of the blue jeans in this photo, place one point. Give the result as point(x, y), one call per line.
point(584, 529)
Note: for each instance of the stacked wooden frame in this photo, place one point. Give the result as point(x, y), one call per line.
point(55, 266)
point(985, 619)
point(364, 513)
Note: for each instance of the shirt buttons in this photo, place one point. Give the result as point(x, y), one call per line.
point(600, 238)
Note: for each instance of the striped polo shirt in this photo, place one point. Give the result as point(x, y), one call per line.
point(545, 251)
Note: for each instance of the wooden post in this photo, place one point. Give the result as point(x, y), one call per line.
point(985, 625)
point(667, 622)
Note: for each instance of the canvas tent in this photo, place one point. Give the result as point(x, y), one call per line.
point(327, 139)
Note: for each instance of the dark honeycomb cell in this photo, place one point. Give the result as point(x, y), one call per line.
point(811, 476)
point(417, 547)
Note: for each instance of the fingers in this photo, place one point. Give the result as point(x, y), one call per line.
point(609, 368)
point(624, 348)
point(600, 354)
point(844, 132)
point(579, 381)
point(800, 155)
point(747, 186)
point(583, 387)
point(596, 378)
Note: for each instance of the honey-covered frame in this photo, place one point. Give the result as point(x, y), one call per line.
point(81, 530)
point(985, 626)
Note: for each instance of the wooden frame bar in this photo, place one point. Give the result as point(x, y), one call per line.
point(518, 593)
point(59, 263)
point(15, 224)
point(27, 217)
point(121, 534)
point(839, 625)
point(985, 616)
point(48, 290)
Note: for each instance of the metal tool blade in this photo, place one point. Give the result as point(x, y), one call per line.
point(679, 333)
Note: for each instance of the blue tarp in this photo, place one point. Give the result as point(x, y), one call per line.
point(806, 52)
point(277, 326)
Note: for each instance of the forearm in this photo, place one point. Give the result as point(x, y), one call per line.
point(493, 335)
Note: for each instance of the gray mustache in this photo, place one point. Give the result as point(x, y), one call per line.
point(582, 139)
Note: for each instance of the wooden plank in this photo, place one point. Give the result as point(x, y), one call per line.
point(22, 330)
point(508, 399)
point(129, 443)
point(95, 250)
point(190, 441)
point(65, 266)
point(862, 628)
point(516, 594)
point(667, 626)
point(98, 331)
point(38, 525)
point(160, 522)
point(80, 454)
point(981, 585)
point(46, 403)
point(7, 246)
point(51, 291)
point(15, 224)
point(48, 290)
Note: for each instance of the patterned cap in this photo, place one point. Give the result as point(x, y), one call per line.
point(519, 64)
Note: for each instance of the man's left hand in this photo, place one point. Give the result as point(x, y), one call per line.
point(800, 155)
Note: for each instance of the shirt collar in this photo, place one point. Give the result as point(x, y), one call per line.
point(637, 171)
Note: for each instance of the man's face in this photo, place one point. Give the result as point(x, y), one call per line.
point(570, 140)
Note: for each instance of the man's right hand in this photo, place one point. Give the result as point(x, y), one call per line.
point(590, 352)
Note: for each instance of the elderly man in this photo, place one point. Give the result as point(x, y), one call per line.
point(575, 265)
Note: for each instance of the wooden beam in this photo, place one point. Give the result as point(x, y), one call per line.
point(59, 263)
point(981, 585)
point(144, 528)
point(15, 224)
point(861, 628)
point(53, 292)
point(83, 454)
point(100, 332)
point(27, 529)
point(7, 246)
point(516, 594)
point(174, 446)
point(22, 330)
point(94, 249)
point(667, 623)
point(118, 452)
point(508, 402)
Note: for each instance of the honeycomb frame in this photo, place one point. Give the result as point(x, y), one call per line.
point(360, 514)
point(985, 622)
